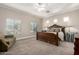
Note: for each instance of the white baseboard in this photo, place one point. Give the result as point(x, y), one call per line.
point(25, 37)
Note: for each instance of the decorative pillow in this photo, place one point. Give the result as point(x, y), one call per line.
point(55, 30)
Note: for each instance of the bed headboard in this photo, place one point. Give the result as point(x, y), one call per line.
point(56, 28)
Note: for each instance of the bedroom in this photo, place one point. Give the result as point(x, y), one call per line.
point(39, 28)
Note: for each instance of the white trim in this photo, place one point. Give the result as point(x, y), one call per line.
point(25, 37)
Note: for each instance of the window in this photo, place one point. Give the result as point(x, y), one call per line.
point(12, 26)
point(34, 26)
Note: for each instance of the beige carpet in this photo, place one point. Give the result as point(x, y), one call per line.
point(35, 47)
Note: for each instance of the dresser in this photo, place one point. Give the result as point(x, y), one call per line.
point(76, 45)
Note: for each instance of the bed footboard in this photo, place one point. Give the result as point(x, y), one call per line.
point(48, 37)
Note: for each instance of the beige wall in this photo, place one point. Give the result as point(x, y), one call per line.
point(73, 19)
point(25, 18)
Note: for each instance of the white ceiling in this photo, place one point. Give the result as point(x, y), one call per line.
point(50, 8)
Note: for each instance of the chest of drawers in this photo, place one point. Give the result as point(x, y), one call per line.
point(76, 46)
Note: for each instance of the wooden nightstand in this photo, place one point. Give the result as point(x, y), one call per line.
point(76, 45)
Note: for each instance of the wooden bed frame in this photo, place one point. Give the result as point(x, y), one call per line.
point(50, 37)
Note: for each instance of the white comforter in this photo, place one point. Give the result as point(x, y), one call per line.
point(61, 35)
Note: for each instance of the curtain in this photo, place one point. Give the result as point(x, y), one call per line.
point(70, 36)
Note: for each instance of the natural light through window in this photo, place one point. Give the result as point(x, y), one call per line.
point(12, 26)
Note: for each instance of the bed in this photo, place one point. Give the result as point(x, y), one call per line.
point(52, 35)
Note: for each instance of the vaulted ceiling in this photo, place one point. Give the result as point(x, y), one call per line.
point(44, 9)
